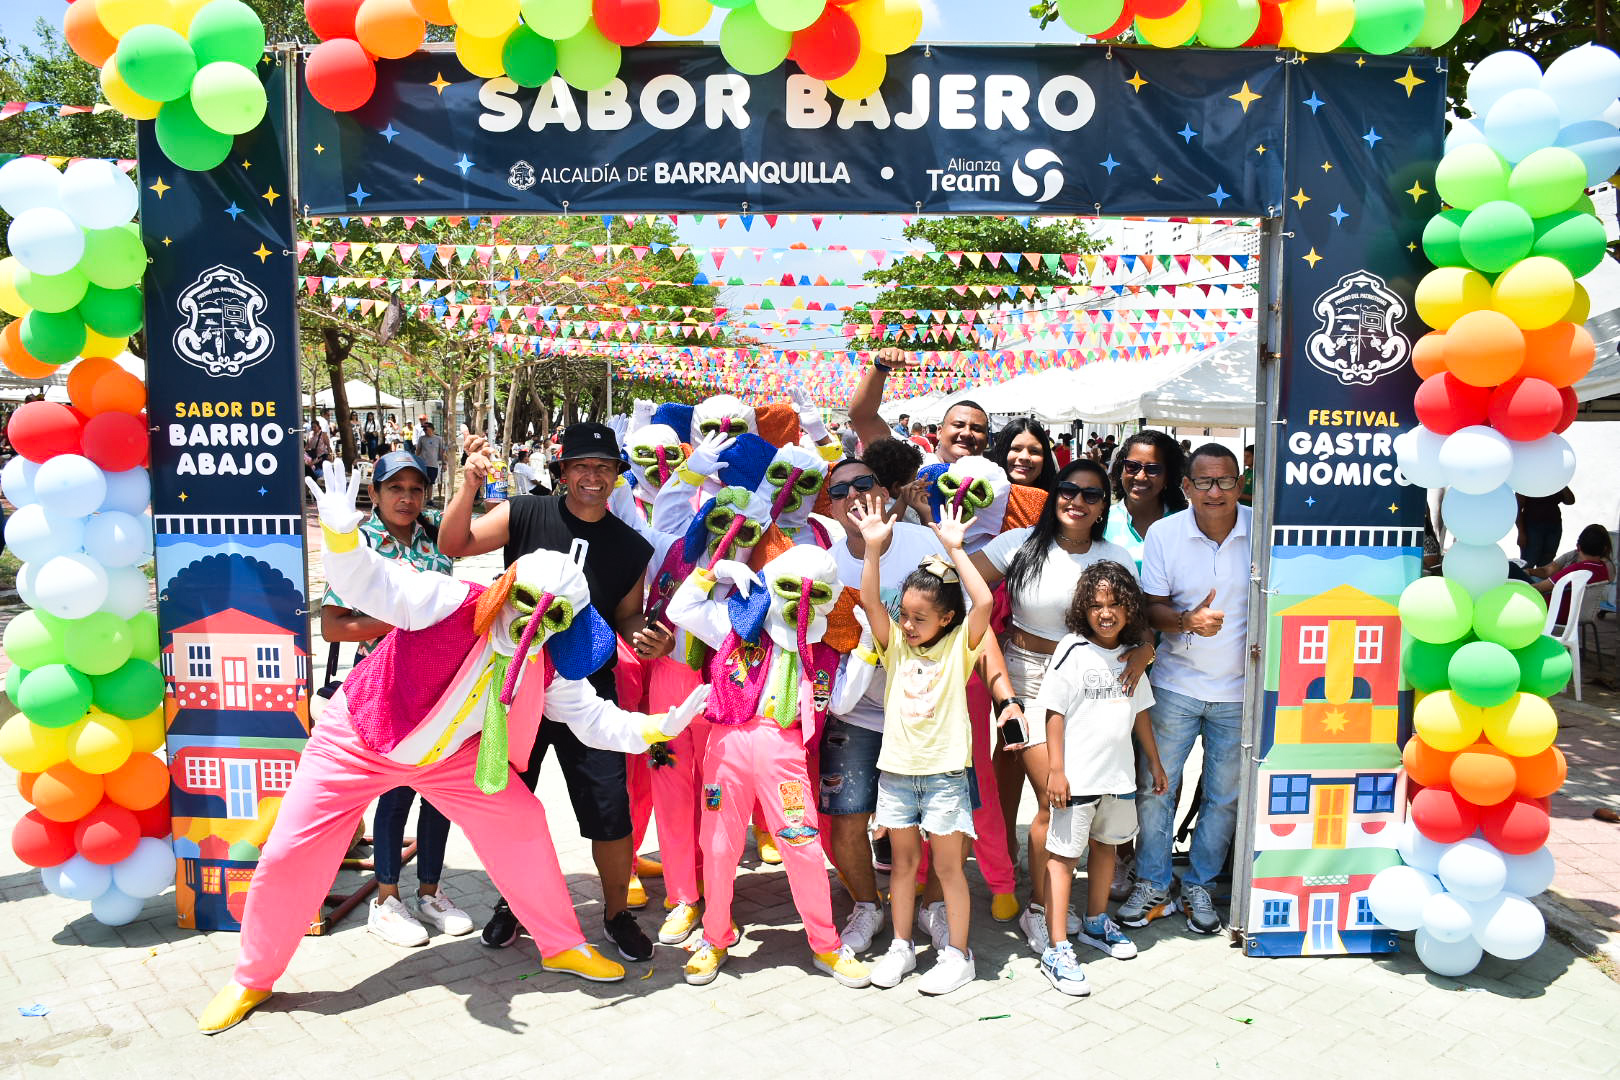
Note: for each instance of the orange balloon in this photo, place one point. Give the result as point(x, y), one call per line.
point(1429, 354)
point(65, 792)
point(389, 28)
point(1424, 764)
point(1482, 774)
point(85, 34)
point(139, 783)
point(1484, 348)
point(18, 360)
point(116, 391)
point(436, 12)
point(83, 378)
point(25, 785)
point(1539, 775)
point(1561, 353)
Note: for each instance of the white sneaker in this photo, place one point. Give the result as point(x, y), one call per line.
point(864, 922)
point(1033, 923)
point(894, 965)
point(393, 922)
point(952, 971)
point(443, 914)
point(1072, 924)
point(933, 921)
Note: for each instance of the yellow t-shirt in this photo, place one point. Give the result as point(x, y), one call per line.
point(926, 729)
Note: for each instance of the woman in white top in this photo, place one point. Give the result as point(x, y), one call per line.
point(1041, 565)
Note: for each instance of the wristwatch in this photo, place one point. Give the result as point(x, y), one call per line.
point(1001, 706)
point(881, 366)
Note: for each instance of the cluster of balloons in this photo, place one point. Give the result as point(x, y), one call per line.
point(188, 64)
point(1314, 26)
point(84, 674)
point(843, 42)
point(73, 277)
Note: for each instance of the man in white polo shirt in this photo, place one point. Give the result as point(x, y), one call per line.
point(1195, 572)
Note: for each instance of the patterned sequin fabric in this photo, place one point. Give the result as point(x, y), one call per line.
point(399, 682)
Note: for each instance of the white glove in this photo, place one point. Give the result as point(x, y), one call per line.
point(810, 421)
point(335, 504)
point(622, 502)
point(736, 574)
point(641, 413)
point(865, 624)
point(705, 456)
point(676, 720)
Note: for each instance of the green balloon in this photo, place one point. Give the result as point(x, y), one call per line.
point(1473, 175)
point(50, 292)
point(34, 639)
point(1436, 610)
point(1511, 615)
point(187, 141)
point(53, 337)
point(226, 30)
point(1544, 667)
point(1548, 181)
point(1483, 673)
point(1496, 235)
point(228, 97)
point(113, 313)
point(1424, 665)
point(1441, 19)
point(555, 19)
point(114, 258)
point(143, 629)
point(14, 678)
point(1225, 24)
point(55, 696)
point(752, 45)
point(790, 15)
point(99, 643)
point(1387, 26)
point(131, 691)
point(1442, 238)
point(588, 60)
point(528, 58)
point(1575, 238)
point(1091, 17)
point(156, 62)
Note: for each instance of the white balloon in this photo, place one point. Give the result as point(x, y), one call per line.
point(114, 538)
point(1473, 869)
point(1509, 926)
point(35, 534)
point(1611, 115)
point(1478, 568)
point(113, 908)
point(1529, 875)
point(70, 484)
point(128, 592)
point(1447, 918)
point(1462, 133)
point(98, 194)
point(1596, 143)
point(1417, 850)
point(77, 879)
point(1479, 519)
point(46, 241)
point(1498, 74)
point(1417, 453)
point(17, 480)
point(146, 871)
point(1449, 958)
point(1543, 466)
point(1476, 459)
point(1584, 82)
point(71, 586)
point(1522, 122)
point(26, 183)
point(25, 584)
point(1398, 894)
point(129, 491)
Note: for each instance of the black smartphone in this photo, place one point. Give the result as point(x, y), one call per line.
point(1013, 732)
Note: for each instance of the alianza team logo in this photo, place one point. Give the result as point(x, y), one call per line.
point(222, 334)
point(1026, 181)
point(520, 176)
point(1358, 340)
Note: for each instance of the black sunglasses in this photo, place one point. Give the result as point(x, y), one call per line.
point(1131, 468)
point(861, 484)
point(1225, 483)
point(1068, 489)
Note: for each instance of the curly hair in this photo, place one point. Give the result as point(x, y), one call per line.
point(894, 462)
point(1127, 594)
point(1170, 455)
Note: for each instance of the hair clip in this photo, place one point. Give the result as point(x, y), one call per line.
point(940, 568)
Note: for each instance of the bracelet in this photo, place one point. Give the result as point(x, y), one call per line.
point(1001, 706)
point(1181, 618)
point(881, 366)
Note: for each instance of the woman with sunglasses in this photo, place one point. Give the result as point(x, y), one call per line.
point(1041, 565)
point(1146, 479)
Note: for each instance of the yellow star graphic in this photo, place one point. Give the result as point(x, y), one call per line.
point(439, 82)
point(183, 496)
point(418, 178)
point(263, 253)
point(1312, 257)
point(1300, 199)
point(1411, 247)
point(271, 195)
point(1245, 97)
point(246, 164)
point(319, 149)
point(1261, 149)
point(1417, 190)
point(1410, 81)
point(1136, 81)
point(1393, 508)
point(1335, 720)
point(160, 187)
point(167, 241)
point(1327, 166)
point(1157, 179)
point(1361, 61)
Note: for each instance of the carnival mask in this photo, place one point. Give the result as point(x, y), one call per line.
point(655, 452)
point(544, 600)
point(793, 479)
point(803, 584)
point(974, 484)
point(735, 518)
point(723, 413)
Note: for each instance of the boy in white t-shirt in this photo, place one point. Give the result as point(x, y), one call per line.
point(1089, 723)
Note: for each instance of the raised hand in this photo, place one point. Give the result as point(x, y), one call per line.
point(899, 357)
point(705, 456)
point(736, 574)
point(810, 421)
point(867, 513)
point(654, 640)
point(676, 720)
point(335, 503)
point(951, 528)
point(1204, 620)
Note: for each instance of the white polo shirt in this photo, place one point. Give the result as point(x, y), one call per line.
point(1180, 562)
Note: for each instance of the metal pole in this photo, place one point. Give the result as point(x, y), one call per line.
point(493, 240)
point(607, 412)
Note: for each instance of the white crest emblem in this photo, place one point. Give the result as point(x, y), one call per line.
point(1359, 340)
point(222, 334)
point(520, 175)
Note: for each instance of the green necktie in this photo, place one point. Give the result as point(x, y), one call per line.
point(493, 770)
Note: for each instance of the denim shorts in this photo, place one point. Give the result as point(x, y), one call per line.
point(1107, 819)
point(849, 772)
point(941, 803)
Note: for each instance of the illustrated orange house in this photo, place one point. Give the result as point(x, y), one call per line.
point(1341, 669)
point(233, 660)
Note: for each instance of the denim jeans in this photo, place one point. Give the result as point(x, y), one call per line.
point(1177, 721)
point(388, 837)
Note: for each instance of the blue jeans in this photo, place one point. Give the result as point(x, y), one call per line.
point(849, 772)
point(388, 837)
point(1177, 721)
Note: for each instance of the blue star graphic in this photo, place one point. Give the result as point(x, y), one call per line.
point(1338, 214)
point(1187, 132)
point(1109, 163)
point(1314, 102)
point(1372, 138)
point(263, 490)
point(1310, 500)
point(234, 210)
point(389, 132)
point(1219, 195)
point(359, 194)
point(463, 164)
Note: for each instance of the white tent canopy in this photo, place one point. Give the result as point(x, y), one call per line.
point(1217, 391)
point(360, 395)
point(14, 389)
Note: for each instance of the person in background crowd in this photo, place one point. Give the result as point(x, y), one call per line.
point(1594, 552)
point(1186, 447)
point(523, 473)
point(1024, 449)
point(370, 435)
point(919, 435)
point(1109, 445)
point(1246, 497)
point(847, 438)
point(1063, 452)
point(902, 425)
point(430, 448)
point(392, 436)
point(933, 436)
point(1541, 526)
point(317, 447)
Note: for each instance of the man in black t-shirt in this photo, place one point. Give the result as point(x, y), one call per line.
point(615, 563)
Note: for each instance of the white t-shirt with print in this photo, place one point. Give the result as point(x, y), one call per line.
point(1082, 685)
point(1041, 610)
point(908, 547)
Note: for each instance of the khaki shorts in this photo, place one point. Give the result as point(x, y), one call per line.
point(1109, 820)
point(1026, 670)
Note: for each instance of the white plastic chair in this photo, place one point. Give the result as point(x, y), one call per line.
point(1573, 588)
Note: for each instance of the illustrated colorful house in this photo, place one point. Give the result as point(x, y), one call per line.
point(229, 781)
point(1331, 782)
point(235, 661)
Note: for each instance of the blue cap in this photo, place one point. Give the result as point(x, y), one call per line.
point(393, 461)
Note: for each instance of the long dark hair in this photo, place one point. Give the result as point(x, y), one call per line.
point(946, 596)
point(1030, 558)
point(1001, 446)
point(1170, 455)
point(1127, 594)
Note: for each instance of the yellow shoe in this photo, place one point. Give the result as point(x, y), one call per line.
point(646, 867)
point(1004, 907)
point(678, 924)
point(636, 897)
point(843, 966)
point(704, 966)
point(586, 962)
point(766, 843)
point(229, 1008)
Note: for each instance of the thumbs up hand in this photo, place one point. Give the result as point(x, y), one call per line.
point(1204, 620)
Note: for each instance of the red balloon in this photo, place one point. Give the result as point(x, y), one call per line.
point(39, 841)
point(626, 22)
point(331, 18)
point(1127, 15)
point(1469, 7)
point(40, 430)
point(1572, 405)
point(1157, 9)
point(1516, 826)
point(828, 47)
point(107, 834)
point(154, 820)
point(116, 441)
point(1444, 403)
point(1443, 816)
point(342, 76)
point(1525, 409)
point(1269, 32)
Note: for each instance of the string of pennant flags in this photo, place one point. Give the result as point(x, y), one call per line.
point(59, 161)
point(745, 221)
point(9, 109)
point(1009, 293)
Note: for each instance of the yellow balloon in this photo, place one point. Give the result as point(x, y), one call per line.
point(96, 345)
point(1448, 293)
point(887, 26)
point(27, 747)
point(147, 732)
point(121, 16)
point(683, 18)
point(1174, 29)
point(100, 743)
point(10, 302)
point(185, 11)
point(1580, 309)
point(1447, 722)
point(481, 56)
point(122, 98)
point(484, 19)
point(1534, 292)
point(1317, 25)
point(862, 80)
point(1523, 727)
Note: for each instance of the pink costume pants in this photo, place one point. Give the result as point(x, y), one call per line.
point(675, 786)
point(760, 761)
point(335, 781)
point(990, 848)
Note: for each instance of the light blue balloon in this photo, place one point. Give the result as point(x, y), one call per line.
point(45, 240)
point(1479, 568)
point(1521, 123)
point(1583, 82)
point(114, 538)
point(77, 879)
point(1462, 133)
point(146, 871)
point(129, 491)
point(1597, 143)
point(1476, 459)
point(17, 480)
point(113, 908)
point(35, 534)
point(1449, 958)
point(1498, 74)
point(70, 484)
point(1447, 918)
point(1479, 519)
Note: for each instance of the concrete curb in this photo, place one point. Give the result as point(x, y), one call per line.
point(1566, 919)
